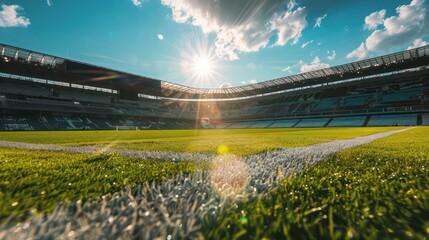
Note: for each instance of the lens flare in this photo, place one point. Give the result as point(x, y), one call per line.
point(229, 175)
point(202, 67)
point(107, 147)
point(199, 62)
point(205, 122)
point(196, 63)
point(222, 149)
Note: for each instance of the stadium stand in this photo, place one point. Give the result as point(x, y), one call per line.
point(284, 123)
point(222, 125)
point(261, 124)
point(425, 120)
point(312, 122)
point(393, 120)
point(50, 93)
point(355, 101)
point(348, 121)
point(240, 125)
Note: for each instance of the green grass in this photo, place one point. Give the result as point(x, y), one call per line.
point(378, 190)
point(375, 191)
point(38, 180)
point(238, 141)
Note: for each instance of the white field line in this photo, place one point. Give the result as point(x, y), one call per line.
point(177, 208)
point(143, 154)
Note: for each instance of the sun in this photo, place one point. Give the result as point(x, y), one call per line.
point(202, 66)
point(199, 63)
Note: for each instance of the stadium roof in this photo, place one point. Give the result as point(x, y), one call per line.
point(33, 64)
point(392, 62)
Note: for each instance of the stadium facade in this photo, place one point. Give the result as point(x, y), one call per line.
point(44, 92)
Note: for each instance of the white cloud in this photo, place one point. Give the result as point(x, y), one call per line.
point(360, 52)
point(314, 52)
point(332, 56)
point(242, 25)
point(103, 57)
point(253, 81)
point(137, 3)
point(160, 36)
point(399, 31)
point(225, 85)
point(375, 19)
point(319, 20)
point(316, 64)
point(287, 69)
point(306, 43)
point(290, 26)
point(418, 43)
point(9, 17)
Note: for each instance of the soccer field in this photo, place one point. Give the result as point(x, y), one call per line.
point(375, 190)
point(238, 141)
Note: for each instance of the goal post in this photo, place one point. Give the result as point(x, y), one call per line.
point(127, 128)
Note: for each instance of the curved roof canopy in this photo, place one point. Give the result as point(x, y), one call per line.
point(34, 64)
point(377, 65)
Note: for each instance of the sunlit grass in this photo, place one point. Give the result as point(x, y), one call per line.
point(375, 191)
point(238, 141)
point(33, 180)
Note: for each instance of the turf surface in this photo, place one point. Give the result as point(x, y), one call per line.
point(32, 180)
point(237, 141)
point(378, 190)
point(375, 191)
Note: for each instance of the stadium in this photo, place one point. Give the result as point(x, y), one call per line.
point(89, 151)
point(43, 92)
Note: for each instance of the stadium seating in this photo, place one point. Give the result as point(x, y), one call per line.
point(399, 96)
point(425, 119)
point(324, 104)
point(312, 122)
point(355, 101)
point(14, 123)
point(240, 125)
point(222, 125)
point(261, 124)
point(347, 121)
point(385, 96)
point(393, 120)
point(284, 123)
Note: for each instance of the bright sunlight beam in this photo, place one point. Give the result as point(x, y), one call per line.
point(198, 63)
point(202, 67)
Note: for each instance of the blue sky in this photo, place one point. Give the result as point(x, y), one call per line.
point(208, 43)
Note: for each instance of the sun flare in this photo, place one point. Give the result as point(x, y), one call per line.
point(202, 66)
